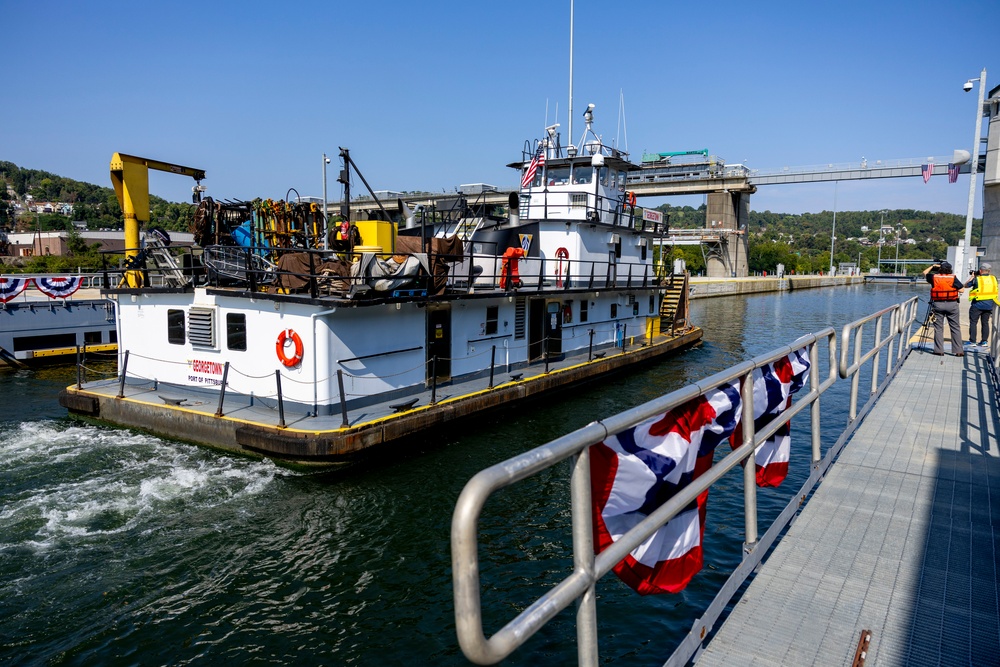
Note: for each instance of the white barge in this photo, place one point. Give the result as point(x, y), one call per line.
point(312, 344)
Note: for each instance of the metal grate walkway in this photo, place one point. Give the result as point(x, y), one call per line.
point(901, 539)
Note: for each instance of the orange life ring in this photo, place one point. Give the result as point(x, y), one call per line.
point(286, 336)
point(561, 254)
point(629, 200)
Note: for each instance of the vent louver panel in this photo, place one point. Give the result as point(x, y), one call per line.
point(201, 327)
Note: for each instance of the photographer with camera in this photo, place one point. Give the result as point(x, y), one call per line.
point(945, 292)
point(982, 299)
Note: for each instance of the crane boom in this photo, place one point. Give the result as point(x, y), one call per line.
point(130, 178)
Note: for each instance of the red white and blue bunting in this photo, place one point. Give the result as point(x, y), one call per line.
point(54, 288)
point(11, 287)
point(58, 288)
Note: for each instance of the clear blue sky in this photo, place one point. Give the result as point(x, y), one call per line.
point(429, 95)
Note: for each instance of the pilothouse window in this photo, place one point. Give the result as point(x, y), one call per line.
point(558, 175)
point(582, 174)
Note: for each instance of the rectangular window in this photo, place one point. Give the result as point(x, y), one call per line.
point(492, 315)
point(582, 174)
point(583, 309)
point(175, 327)
point(614, 310)
point(236, 331)
point(92, 337)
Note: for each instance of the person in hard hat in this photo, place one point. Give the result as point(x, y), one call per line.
point(945, 292)
point(982, 301)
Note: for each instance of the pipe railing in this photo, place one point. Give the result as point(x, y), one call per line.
point(899, 314)
point(579, 586)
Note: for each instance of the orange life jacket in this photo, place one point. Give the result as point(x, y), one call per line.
point(943, 288)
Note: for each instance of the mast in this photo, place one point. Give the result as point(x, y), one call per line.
point(570, 129)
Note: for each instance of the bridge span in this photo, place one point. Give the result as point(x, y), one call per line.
point(728, 191)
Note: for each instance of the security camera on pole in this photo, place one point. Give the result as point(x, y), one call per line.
point(973, 168)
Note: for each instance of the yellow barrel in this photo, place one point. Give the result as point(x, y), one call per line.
point(361, 249)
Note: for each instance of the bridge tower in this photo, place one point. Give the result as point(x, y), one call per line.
point(728, 212)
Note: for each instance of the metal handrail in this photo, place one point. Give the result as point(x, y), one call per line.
point(908, 311)
point(588, 568)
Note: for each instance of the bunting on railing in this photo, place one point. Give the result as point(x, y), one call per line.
point(637, 470)
point(634, 472)
point(11, 287)
point(58, 288)
point(773, 386)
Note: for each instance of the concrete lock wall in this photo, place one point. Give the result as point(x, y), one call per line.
point(727, 212)
point(991, 186)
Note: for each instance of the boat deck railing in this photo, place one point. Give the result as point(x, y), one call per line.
point(362, 274)
point(345, 391)
point(861, 345)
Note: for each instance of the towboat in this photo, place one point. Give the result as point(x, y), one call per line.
point(311, 343)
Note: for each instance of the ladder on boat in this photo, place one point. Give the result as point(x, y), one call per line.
point(674, 307)
point(157, 252)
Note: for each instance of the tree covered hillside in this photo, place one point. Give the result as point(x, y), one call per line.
point(802, 241)
point(97, 205)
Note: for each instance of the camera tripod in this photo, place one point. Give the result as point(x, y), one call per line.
point(927, 331)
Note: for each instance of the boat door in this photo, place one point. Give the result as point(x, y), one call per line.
point(439, 341)
point(536, 328)
point(544, 329)
point(553, 328)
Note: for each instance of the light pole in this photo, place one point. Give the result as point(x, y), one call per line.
point(896, 270)
point(833, 232)
point(881, 241)
point(326, 234)
point(960, 269)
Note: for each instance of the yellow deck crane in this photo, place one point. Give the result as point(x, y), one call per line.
point(130, 177)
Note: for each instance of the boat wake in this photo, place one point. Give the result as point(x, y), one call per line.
point(62, 483)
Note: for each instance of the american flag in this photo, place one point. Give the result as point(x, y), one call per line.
point(536, 162)
point(952, 172)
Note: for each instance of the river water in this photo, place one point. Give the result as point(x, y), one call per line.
point(119, 548)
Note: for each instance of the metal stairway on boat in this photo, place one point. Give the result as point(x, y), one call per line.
point(157, 252)
point(674, 306)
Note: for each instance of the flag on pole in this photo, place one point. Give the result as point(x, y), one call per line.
point(927, 170)
point(952, 172)
point(536, 163)
point(635, 471)
point(773, 386)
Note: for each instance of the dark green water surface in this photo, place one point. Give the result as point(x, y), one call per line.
point(119, 548)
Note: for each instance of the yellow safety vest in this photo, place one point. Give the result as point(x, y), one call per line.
point(986, 289)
